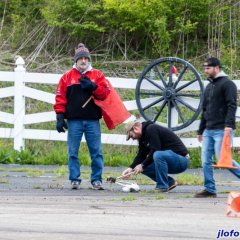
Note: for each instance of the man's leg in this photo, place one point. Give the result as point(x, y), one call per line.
point(210, 142)
point(150, 172)
point(168, 162)
point(93, 138)
point(75, 132)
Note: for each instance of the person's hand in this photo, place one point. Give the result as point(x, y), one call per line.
point(86, 83)
point(200, 138)
point(126, 173)
point(138, 169)
point(227, 130)
point(61, 125)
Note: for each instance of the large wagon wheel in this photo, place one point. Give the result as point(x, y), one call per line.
point(170, 92)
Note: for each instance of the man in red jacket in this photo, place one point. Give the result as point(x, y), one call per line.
point(74, 102)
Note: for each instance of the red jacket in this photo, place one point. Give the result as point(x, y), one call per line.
point(70, 99)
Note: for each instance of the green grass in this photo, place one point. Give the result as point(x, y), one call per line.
point(55, 153)
point(224, 191)
point(189, 179)
point(52, 153)
point(187, 196)
point(35, 173)
point(62, 171)
point(4, 181)
point(160, 197)
point(32, 172)
point(128, 198)
point(183, 196)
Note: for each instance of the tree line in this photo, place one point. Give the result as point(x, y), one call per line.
point(121, 29)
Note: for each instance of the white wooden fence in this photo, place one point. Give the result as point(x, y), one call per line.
point(19, 119)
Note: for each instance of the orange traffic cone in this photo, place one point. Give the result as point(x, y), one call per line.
point(225, 160)
point(233, 205)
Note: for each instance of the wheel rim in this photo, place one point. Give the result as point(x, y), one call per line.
point(170, 92)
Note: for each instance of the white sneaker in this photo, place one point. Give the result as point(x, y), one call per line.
point(97, 185)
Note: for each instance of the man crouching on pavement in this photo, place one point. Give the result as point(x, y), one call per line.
point(160, 152)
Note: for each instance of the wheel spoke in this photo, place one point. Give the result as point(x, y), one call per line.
point(161, 76)
point(187, 95)
point(169, 115)
point(178, 110)
point(170, 75)
point(186, 104)
point(153, 103)
point(160, 111)
point(180, 76)
point(185, 85)
point(151, 93)
point(153, 83)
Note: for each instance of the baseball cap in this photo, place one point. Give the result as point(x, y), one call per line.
point(130, 125)
point(212, 62)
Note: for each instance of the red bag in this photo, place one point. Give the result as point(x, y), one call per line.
point(113, 110)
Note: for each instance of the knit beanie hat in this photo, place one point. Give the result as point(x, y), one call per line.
point(81, 51)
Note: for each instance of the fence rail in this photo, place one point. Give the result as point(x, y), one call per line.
point(19, 118)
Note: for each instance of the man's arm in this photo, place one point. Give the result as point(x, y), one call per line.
point(203, 120)
point(230, 94)
point(103, 89)
point(126, 173)
point(61, 99)
point(141, 156)
point(154, 141)
point(149, 159)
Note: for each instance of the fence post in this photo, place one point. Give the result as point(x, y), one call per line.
point(19, 104)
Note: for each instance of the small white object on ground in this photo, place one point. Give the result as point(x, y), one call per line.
point(125, 189)
point(131, 188)
point(134, 187)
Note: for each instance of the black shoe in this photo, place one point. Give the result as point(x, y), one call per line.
point(172, 186)
point(205, 194)
point(75, 185)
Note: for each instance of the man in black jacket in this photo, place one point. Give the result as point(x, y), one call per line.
point(218, 118)
point(160, 152)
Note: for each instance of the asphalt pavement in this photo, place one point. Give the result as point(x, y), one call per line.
point(44, 207)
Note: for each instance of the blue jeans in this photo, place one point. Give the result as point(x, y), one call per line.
point(165, 162)
point(92, 133)
point(212, 143)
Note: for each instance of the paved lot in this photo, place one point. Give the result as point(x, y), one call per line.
point(44, 207)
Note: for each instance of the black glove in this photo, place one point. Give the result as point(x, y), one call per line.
point(86, 83)
point(61, 125)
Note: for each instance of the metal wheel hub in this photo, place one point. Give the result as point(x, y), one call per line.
point(169, 93)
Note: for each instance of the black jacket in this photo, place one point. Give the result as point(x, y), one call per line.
point(156, 138)
point(219, 104)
